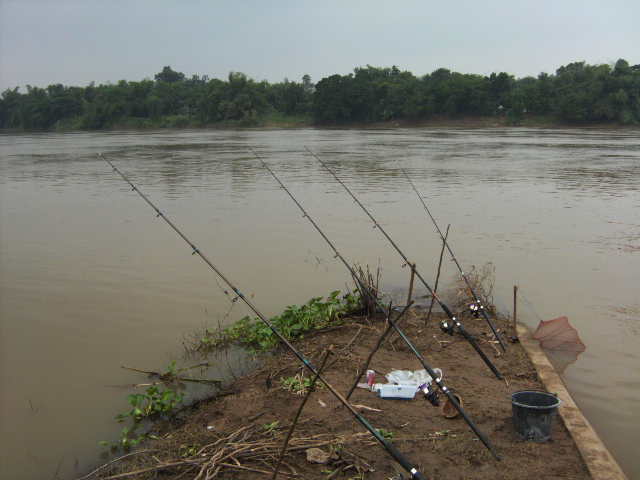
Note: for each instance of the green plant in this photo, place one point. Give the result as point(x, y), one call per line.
point(153, 403)
point(188, 450)
point(294, 322)
point(129, 438)
point(386, 434)
point(298, 384)
point(271, 428)
point(171, 369)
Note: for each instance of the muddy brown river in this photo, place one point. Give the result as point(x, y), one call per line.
point(90, 280)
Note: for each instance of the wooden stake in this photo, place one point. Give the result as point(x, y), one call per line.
point(515, 309)
point(413, 275)
point(435, 287)
point(312, 387)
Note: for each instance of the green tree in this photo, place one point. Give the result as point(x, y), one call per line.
point(576, 92)
point(169, 75)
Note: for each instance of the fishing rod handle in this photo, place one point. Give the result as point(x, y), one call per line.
point(391, 450)
point(475, 429)
point(405, 463)
point(445, 390)
point(456, 323)
point(495, 333)
point(477, 348)
point(446, 309)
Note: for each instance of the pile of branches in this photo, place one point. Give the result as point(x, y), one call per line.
point(368, 286)
point(482, 280)
point(252, 448)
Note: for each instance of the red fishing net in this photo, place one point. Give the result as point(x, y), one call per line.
point(560, 340)
point(558, 334)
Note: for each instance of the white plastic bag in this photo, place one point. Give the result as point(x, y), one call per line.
point(408, 377)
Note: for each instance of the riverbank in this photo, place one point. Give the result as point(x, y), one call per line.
point(279, 121)
point(238, 435)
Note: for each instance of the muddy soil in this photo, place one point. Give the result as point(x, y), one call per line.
point(440, 447)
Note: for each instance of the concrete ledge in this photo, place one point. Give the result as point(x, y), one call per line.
point(599, 461)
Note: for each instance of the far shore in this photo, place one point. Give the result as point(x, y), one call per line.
point(135, 124)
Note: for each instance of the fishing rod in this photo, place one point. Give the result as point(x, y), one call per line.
point(438, 380)
point(397, 456)
point(477, 308)
point(364, 290)
point(448, 326)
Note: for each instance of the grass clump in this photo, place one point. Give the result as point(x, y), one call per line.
point(294, 322)
point(386, 434)
point(298, 384)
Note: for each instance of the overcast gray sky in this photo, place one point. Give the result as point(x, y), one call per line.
point(77, 41)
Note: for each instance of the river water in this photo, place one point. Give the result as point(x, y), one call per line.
point(90, 280)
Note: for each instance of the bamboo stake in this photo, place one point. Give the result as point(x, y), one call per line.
point(435, 287)
point(312, 387)
point(413, 275)
point(169, 376)
point(515, 309)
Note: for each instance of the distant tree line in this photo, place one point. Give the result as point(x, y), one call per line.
point(576, 93)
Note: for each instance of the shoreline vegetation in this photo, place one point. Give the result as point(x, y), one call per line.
point(577, 94)
point(300, 122)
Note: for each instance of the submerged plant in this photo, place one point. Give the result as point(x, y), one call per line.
point(153, 403)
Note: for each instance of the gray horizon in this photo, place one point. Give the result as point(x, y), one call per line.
point(75, 42)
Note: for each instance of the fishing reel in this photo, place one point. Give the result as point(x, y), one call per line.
point(475, 308)
point(447, 326)
point(430, 393)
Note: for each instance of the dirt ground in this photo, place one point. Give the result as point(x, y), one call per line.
point(235, 436)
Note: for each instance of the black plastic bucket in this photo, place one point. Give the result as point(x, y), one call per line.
point(533, 414)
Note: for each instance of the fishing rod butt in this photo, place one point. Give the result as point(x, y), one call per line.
point(481, 436)
point(404, 462)
point(495, 332)
point(449, 326)
point(479, 351)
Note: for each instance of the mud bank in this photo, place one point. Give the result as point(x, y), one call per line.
point(239, 434)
